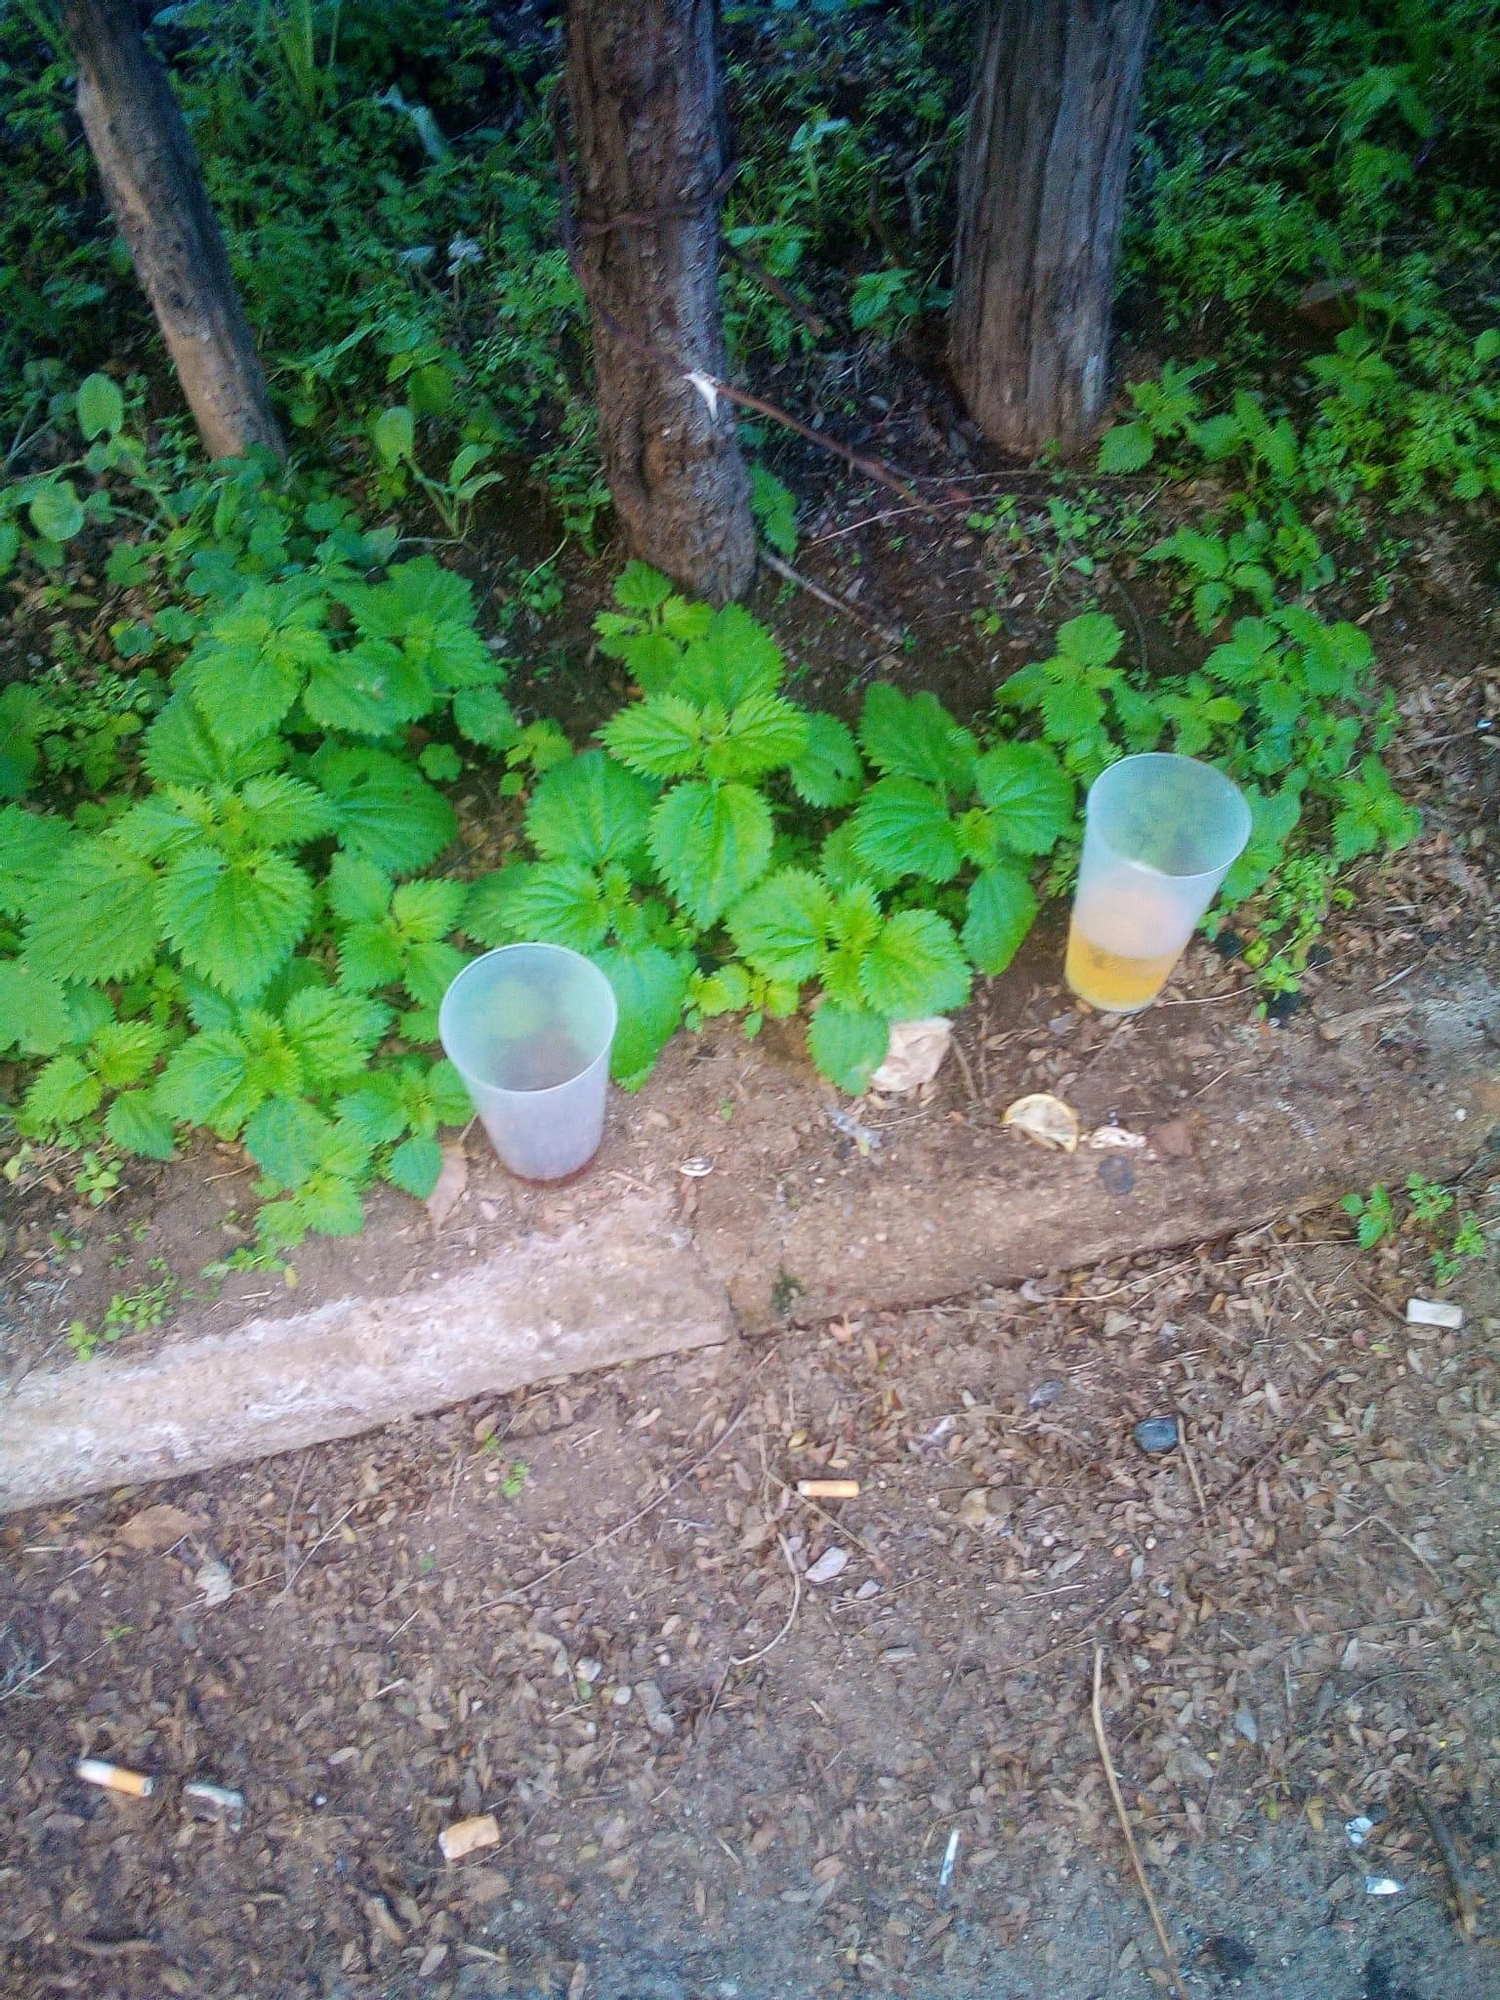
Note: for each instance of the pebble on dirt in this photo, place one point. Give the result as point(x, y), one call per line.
point(1156, 1434)
point(467, 1836)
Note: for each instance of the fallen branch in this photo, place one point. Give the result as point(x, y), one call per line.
point(750, 1658)
point(890, 640)
point(1124, 1818)
point(1465, 1904)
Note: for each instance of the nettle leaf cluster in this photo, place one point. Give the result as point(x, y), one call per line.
point(245, 942)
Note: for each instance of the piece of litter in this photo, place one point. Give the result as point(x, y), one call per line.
point(865, 1137)
point(708, 389)
point(216, 1802)
point(696, 1169)
point(1044, 1394)
point(833, 1562)
point(1382, 1885)
point(950, 1855)
point(941, 1429)
point(1106, 1137)
point(216, 1583)
point(1046, 1119)
point(1434, 1312)
point(467, 1836)
point(1358, 1830)
point(913, 1056)
point(1247, 1726)
point(114, 1777)
point(828, 1489)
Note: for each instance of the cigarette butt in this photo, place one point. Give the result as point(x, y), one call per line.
point(828, 1489)
point(115, 1778)
point(215, 1801)
point(465, 1836)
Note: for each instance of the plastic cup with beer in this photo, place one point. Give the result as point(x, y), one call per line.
point(1160, 833)
point(529, 1029)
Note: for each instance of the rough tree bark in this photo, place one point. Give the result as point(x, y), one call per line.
point(155, 189)
point(647, 108)
point(1041, 192)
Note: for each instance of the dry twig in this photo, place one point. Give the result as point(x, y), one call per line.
point(1134, 1852)
point(1465, 1906)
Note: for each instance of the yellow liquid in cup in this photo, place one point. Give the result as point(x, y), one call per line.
point(1105, 965)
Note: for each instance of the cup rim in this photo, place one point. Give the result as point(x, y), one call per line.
point(558, 951)
point(1237, 804)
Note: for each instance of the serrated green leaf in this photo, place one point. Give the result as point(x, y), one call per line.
point(734, 660)
point(384, 810)
point(357, 890)
point(902, 827)
point(848, 1044)
point(370, 955)
point(660, 737)
point(207, 1082)
point(711, 844)
point(429, 612)
point(376, 1110)
point(234, 921)
point(64, 1091)
point(560, 902)
point(281, 811)
point(245, 674)
point(590, 810)
point(916, 737)
point(31, 845)
point(333, 1033)
point(827, 771)
point(1029, 793)
point(181, 749)
point(92, 919)
point(428, 970)
point(1070, 710)
point(1090, 641)
point(372, 689)
point(650, 987)
point(484, 716)
point(428, 910)
point(487, 914)
point(415, 1166)
point(286, 1138)
point(764, 734)
point(781, 927)
point(447, 1095)
point(122, 1052)
point(1126, 448)
point(136, 1126)
point(33, 1010)
point(1002, 908)
point(638, 587)
point(914, 967)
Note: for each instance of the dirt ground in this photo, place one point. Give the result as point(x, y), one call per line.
point(594, 1610)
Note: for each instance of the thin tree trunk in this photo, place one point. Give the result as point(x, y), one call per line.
point(648, 122)
point(1041, 193)
point(155, 189)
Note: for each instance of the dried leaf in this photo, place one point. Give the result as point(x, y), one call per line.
point(450, 1185)
point(157, 1528)
point(914, 1056)
point(1046, 1119)
point(216, 1583)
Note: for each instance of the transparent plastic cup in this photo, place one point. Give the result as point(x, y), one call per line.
point(1160, 834)
point(529, 1029)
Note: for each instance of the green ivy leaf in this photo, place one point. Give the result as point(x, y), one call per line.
point(902, 827)
point(93, 918)
point(914, 967)
point(827, 771)
point(136, 1126)
point(1029, 793)
point(415, 1166)
point(650, 988)
point(781, 928)
point(915, 737)
point(33, 1010)
point(234, 921)
point(848, 1044)
point(384, 810)
point(1002, 908)
point(590, 810)
point(711, 843)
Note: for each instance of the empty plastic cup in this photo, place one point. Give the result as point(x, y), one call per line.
point(1160, 833)
point(529, 1029)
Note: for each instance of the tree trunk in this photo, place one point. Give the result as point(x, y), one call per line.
point(1041, 193)
point(648, 122)
point(155, 189)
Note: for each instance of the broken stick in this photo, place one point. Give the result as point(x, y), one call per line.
point(1124, 1818)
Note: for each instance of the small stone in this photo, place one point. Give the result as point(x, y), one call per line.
point(658, 1715)
point(1044, 1394)
point(973, 1509)
point(621, 1696)
point(830, 1564)
point(1247, 1726)
point(1157, 1434)
point(868, 1589)
point(1117, 1173)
